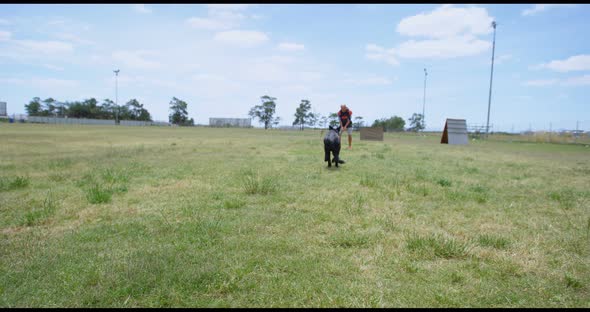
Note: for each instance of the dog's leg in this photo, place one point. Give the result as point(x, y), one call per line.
point(326, 153)
point(336, 158)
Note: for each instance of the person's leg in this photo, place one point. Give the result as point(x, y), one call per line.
point(350, 138)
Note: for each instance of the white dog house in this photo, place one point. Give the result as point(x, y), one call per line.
point(455, 132)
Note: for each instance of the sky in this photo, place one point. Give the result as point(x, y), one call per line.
point(221, 58)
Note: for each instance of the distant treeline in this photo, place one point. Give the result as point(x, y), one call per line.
point(90, 108)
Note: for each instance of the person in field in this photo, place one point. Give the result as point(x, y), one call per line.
point(345, 116)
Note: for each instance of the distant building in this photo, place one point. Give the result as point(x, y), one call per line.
point(3, 109)
point(230, 122)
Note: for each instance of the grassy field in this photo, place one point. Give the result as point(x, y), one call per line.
point(157, 217)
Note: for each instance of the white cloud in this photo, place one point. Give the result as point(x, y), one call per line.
point(144, 82)
point(11, 80)
point(574, 63)
point(42, 83)
point(524, 97)
point(53, 67)
point(369, 81)
point(246, 38)
point(443, 48)
point(205, 23)
point(56, 22)
point(208, 77)
point(377, 53)
point(5, 35)
point(220, 17)
point(577, 81)
point(541, 82)
point(135, 59)
point(229, 7)
point(572, 81)
point(73, 38)
point(141, 8)
point(290, 46)
point(52, 83)
point(46, 47)
point(449, 32)
point(542, 7)
point(447, 21)
point(503, 58)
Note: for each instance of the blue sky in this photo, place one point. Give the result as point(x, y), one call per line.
point(222, 58)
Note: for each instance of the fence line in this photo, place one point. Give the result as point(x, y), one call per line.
point(86, 121)
point(70, 121)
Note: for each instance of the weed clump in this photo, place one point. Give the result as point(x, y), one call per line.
point(256, 184)
point(368, 181)
point(16, 183)
point(98, 194)
point(38, 215)
point(571, 281)
point(233, 204)
point(350, 239)
point(436, 246)
point(566, 198)
point(443, 182)
point(488, 240)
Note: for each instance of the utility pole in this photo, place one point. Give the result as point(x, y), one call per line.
point(116, 95)
point(491, 78)
point(424, 100)
point(550, 130)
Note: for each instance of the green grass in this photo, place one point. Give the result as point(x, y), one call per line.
point(98, 194)
point(257, 184)
point(436, 246)
point(40, 214)
point(17, 182)
point(487, 240)
point(99, 216)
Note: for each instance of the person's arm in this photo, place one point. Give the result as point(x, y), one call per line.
point(339, 119)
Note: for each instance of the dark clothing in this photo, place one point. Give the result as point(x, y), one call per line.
point(345, 117)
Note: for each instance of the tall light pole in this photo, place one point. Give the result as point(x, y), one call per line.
point(116, 95)
point(491, 77)
point(424, 100)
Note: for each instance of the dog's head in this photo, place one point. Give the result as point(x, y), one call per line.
point(335, 129)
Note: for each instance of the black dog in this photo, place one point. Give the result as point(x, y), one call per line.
point(332, 144)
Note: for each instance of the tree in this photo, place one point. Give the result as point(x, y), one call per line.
point(276, 121)
point(179, 114)
point(78, 110)
point(323, 121)
point(416, 122)
point(358, 122)
point(394, 123)
point(136, 111)
point(303, 115)
point(88, 108)
point(34, 107)
point(333, 118)
point(60, 109)
point(312, 119)
point(265, 111)
point(48, 107)
point(107, 109)
point(397, 123)
point(92, 107)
